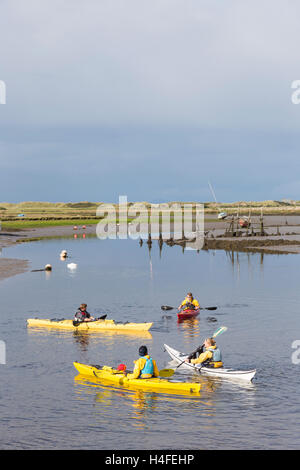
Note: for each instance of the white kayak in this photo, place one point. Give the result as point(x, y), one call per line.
point(213, 372)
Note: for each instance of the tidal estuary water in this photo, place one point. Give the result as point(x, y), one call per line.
point(44, 406)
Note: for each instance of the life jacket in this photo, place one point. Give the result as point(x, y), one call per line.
point(82, 314)
point(189, 306)
point(148, 367)
point(216, 359)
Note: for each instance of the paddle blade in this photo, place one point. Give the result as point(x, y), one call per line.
point(211, 308)
point(219, 331)
point(166, 372)
point(166, 307)
point(102, 318)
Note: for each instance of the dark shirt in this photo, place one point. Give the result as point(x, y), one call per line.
point(81, 315)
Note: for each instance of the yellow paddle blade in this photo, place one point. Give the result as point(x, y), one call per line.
point(166, 372)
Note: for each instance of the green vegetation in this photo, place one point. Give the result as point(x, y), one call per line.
point(23, 223)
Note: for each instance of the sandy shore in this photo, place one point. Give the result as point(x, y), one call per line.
point(282, 236)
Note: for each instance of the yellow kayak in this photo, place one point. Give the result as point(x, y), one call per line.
point(115, 377)
point(90, 326)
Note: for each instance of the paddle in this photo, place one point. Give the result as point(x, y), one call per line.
point(78, 322)
point(167, 307)
point(161, 372)
point(170, 372)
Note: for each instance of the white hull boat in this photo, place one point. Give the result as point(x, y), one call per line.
point(231, 374)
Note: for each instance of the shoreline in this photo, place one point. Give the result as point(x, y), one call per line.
point(282, 237)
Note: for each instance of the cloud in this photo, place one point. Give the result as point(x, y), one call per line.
point(157, 63)
point(149, 99)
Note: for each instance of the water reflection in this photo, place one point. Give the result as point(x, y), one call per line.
point(145, 403)
point(82, 339)
point(83, 336)
point(235, 258)
point(190, 327)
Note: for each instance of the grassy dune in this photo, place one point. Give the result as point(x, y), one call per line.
point(43, 214)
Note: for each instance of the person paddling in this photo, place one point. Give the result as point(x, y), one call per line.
point(189, 303)
point(209, 355)
point(145, 367)
point(82, 314)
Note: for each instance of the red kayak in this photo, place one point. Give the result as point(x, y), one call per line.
point(188, 313)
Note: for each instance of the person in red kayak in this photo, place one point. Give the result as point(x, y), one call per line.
point(82, 314)
point(189, 303)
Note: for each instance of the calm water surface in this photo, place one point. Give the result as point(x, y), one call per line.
point(44, 406)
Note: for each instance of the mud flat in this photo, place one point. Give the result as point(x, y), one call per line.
point(10, 267)
point(281, 235)
point(266, 244)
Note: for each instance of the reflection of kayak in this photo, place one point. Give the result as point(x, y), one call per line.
point(112, 376)
point(213, 372)
point(188, 313)
point(90, 326)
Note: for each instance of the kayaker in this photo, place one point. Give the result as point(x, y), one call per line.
point(209, 354)
point(82, 314)
point(145, 367)
point(189, 302)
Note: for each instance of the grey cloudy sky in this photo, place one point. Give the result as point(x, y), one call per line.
point(149, 99)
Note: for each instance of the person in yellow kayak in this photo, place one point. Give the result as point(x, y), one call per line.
point(145, 367)
point(189, 303)
point(82, 314)
point(209, 355)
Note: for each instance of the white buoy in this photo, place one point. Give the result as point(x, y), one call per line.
point(72, 266)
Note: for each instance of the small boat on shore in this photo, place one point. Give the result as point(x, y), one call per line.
point(244, 222)
point(210, 371)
